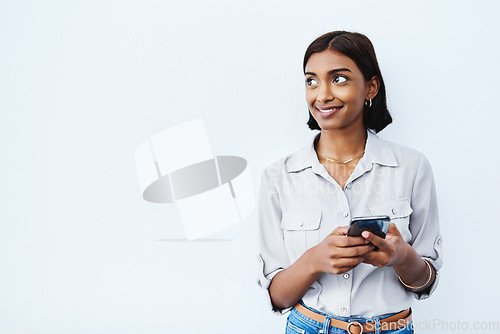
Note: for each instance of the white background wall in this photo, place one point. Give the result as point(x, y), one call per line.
point(82, 83)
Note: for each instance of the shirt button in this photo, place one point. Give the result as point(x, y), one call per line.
point(346, 214)
point(344, 310)
point(301, 224)
point(346, 276)
point(348, 187)
point(393, 211)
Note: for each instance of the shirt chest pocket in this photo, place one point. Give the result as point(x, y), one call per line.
point(300, 231)
point(399, 211)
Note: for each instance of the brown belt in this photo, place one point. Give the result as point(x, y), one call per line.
point(393, 322)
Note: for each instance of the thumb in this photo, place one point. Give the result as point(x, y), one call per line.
point(374, 239)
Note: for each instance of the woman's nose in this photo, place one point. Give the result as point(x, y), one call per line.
point(325, 94)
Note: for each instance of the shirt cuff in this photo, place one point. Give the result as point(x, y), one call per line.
point(436, 263)
point(265, 281)
point(427, 293)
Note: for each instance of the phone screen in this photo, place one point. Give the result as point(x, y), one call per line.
point(377, 225)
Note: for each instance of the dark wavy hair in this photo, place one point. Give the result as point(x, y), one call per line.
point(359, 48)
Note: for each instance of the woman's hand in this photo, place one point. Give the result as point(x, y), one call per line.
point(338, 253)
point(392, 251)
point(396, 252)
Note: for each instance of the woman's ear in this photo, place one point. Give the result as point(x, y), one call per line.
point(373, 87)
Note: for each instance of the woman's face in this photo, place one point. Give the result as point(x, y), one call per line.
point(336, 90)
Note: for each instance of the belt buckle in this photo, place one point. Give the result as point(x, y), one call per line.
point(354, 323)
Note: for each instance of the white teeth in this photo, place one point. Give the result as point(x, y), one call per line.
point(328, 110)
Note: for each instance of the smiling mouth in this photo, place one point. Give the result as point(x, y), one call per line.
point(328, 109)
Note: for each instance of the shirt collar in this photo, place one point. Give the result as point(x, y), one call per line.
point(377, 151)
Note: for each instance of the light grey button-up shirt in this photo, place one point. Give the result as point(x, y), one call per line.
point(300, 204)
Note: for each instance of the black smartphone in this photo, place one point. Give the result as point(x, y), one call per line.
point(377, 225)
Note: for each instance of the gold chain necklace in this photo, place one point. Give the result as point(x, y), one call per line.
point(340, 162)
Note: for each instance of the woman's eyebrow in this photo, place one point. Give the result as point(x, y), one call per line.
point(343, 69)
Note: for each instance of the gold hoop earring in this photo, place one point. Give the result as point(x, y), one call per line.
point(366, 103)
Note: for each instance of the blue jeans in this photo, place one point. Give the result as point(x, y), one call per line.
point(298, 323)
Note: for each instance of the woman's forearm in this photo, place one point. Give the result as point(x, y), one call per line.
point(336, 254)
point(416, 272)
point(291, 284)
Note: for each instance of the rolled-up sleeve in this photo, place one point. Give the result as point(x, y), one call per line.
point(273, 256)
point(424, 222)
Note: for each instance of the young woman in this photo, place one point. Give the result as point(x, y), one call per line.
point(333, 283)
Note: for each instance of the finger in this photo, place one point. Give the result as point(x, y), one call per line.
point(347, 262)
point(374, 239)
point(357, 250)
point(368, 261)
point(375, 256)
point(392, 232)
point(341, 270)
point(341, 230)
point(373, 263)
point(345, 241)
point(393, 229)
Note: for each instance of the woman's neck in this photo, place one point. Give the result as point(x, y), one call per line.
point(341, 144)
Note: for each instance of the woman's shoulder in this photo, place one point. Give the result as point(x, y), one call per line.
point(407, 156)
point(292, 162)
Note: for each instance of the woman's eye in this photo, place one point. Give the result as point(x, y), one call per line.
point(311, 82)
point(339, 79)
